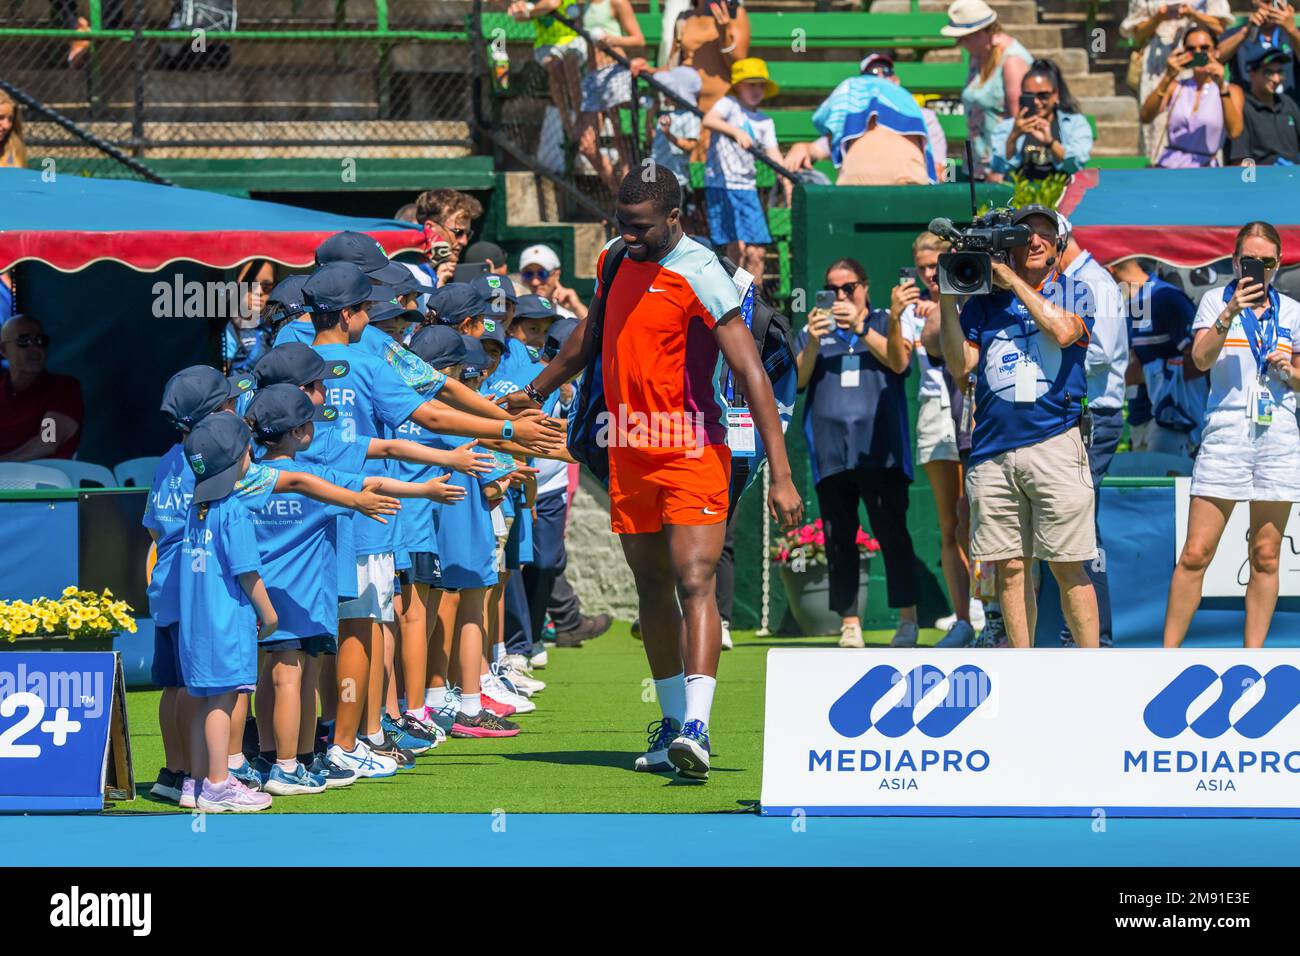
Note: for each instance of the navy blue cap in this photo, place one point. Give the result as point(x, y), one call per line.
point(440, 346)
point(558, 334)
point(364, 253)
point(276, 409)
point(456, 302)
point(338, 285)
point(495, 290)
point(295, 363)
point(407, 283)
point(196, 392)
point(214, 450)
point(535, 307)
point(288, 295)
point(494, 330)
point(1267, 54)
point(387, 310)
point(476, 357)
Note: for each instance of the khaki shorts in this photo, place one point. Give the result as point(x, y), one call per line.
point(936, 432)
point(1035, 502)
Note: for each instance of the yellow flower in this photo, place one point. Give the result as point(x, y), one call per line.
point(107, 593)
point(102, 622)
point(30, 627)
point(73, 622)
point(70, 590)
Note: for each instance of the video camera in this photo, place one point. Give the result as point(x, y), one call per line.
point(968, 268)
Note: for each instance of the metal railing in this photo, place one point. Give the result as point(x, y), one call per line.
point(296, 78)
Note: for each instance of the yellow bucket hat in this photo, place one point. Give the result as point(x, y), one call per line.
point(753, 68)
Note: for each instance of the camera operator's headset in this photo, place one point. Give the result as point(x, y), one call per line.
point(1062, 227)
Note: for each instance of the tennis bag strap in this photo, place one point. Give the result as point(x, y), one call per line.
point(591, 390)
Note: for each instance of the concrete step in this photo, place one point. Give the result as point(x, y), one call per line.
point(1092, 84)
point(1010, 12)
point(1116, 139)
point(1110, 109)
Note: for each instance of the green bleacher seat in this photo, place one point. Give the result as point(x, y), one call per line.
point(797, 76)
point(831, 29)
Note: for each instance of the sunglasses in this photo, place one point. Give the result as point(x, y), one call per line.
point(32, 341)
point(1268, 262)
point(1042, 96)
point(459, 233)
point(541, 275)
point(1198, 49)
point(880, 69)
point(848, 289)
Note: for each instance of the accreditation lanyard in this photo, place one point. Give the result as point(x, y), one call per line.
point(1261, 332)
point(741, 434)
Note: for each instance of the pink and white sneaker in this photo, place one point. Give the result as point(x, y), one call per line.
point(231, 797)
point(500, 708)
point(187, 794)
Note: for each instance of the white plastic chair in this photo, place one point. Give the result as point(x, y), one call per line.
point(21, 476)
point(1148, 464)
point(81, 472)
point(136, 472)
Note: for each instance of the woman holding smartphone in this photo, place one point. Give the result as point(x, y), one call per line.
point(852, 361)
point(1202, 110)
point(1250, 450)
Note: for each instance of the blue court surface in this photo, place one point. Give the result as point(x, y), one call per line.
point(615, 840)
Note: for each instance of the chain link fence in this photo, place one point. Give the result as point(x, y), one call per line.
point(265, 79)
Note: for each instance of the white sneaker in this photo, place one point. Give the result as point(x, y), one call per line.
point(539, 660)
point(726, 636)
point(528, 686)
point(492, 686)
point(977, 614)
point(946, 622)
point(362, 761)
point(851, 635)
point(520, 664)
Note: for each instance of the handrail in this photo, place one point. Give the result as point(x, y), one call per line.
point(29, 33)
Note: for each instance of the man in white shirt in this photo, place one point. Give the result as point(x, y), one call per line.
point(1106, 364)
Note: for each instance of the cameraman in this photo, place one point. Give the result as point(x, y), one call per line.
point(1029, 484)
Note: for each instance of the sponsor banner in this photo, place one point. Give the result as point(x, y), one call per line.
point(1050, 732)
point(1229, 571)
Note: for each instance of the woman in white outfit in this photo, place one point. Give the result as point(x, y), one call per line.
point(1250, 450)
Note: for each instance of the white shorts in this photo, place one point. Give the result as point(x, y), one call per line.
point(1240, 461)
point(936, 432)
point(374, 590)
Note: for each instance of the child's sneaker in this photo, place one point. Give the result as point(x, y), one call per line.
point(168, 785)
point(188, 790)
point(285, 784)
point(540, 659)
point(485, 724)
point(233, 796)
point(246, 775)
point(333, 775)
point(262, 767)
point(404, 737)
point(423, 719)
point(445, 715)
point(689, 753)
point(361, 761)
point(500, 691)
point(497, 707)
point(402, 756)
point(726, 636)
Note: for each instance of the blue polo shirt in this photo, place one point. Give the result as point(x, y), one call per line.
point(416, 516)
point(463, 535)
point(218, 624)
point(168, 508)
point(855, 425)
point(297, 539)
point(329, 449)
point(1005, 333)
point(518, 366)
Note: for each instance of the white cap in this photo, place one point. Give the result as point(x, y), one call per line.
point(541, 255)
point(968, 16)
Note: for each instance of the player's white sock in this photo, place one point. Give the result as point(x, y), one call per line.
point(435, 697)
point(235, 761)
point(377, 737)
point(671, 692)
point(699, 697)
point(471, 704)
point(288, 766)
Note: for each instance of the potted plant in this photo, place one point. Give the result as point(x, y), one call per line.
point(801, 556)
point(75, 621)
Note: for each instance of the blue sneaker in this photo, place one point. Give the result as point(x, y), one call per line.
point(333, 775)
point(961, 634)
point(661, 733)
point(262, 767)
point(403, 738)
point(302, 780)
point(246, 775)
point(689, 753)
point(445, 715)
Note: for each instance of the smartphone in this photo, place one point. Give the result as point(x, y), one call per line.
point(824, 299)
point(1028, 104)
point(1200, 58)
point(1252, 269)
point(906, 275)
point(468, 271)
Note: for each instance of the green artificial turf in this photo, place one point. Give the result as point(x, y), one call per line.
point(575, 752)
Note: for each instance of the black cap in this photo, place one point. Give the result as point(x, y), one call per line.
point(364, 253)
point(495, 290)
point(338, 285)
point(483, 251)
point(558, 334)
point(440, 346)
point(535, 307)
point(476, 357)
point(214, 450)
point(1268, 54)
point(296, 364)
point(456, 302)
point(196, 392)
point(276, 409)
point(1037, 209)
point(288, 295)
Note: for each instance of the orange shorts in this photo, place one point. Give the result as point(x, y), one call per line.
point(647, 492)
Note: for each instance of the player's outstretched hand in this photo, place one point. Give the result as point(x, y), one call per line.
point(539, 435)
point(437, 489)
point(785, 504)
point(470, 462)
point(374, 505)
point(517, 402)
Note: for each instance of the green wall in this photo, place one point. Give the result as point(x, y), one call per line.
point(876, 226)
